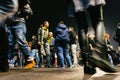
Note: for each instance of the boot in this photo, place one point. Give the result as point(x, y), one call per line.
point(83, 28)
point(98, 56)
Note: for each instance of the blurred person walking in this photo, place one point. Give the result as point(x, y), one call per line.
point(7, 8)
point(16, 25)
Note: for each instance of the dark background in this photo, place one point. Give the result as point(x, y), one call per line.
point(56, 10)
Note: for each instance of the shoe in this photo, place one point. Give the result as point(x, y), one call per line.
point(42, 66)
point(11, 65)
point(30, 65)
point(30, 59)
point(72, 66)
point(99, 59)
point(89, 70)
point(36, 66)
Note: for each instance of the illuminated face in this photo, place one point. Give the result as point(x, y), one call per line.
point(70, 29)
point(50, 34)
point(46, 24)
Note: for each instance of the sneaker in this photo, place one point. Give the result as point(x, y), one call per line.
point(103, 65)
point(29, 65)
point(11, 65)
point(36, 66)
point(30, 59)
point(42, 66)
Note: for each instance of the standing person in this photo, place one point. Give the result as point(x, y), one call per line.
point(116, 36)
point(43, 36)
point(52, 49)
point(16, 25)
point(94, 8)
point(35, 50)
point(73, 45)
point(61, 36)
point(7, 8)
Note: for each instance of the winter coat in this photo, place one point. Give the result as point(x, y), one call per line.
point(61, 33)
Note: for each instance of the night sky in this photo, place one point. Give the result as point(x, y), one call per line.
point(56, 10)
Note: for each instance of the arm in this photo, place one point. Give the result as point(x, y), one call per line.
point(39, 35)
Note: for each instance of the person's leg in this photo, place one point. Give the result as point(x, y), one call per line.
point(42, 54)
point(20, 32)
point(60, 55)
point(66, 54)
point(48, 57)
point(99, 55)
point(4, 67)
point(7, 8)
point(11, 42)
point(37, 57)
point(52, 52)
point(74, 53)
point(20, 61)
point(82, 35)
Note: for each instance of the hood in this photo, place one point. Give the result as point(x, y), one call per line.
point(62, 26)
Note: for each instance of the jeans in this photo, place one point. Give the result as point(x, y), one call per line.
point(35, 53)
point(18, 33)
point(20, 61)
point(63, 53)
point(52, 52)
point(45, 50)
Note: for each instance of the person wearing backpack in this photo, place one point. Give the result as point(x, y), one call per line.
point(62, 39)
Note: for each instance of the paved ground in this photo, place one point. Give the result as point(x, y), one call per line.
point(56, 74)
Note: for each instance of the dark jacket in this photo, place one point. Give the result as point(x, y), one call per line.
point(61, 33)
point(116, 36)
point(72, 35)
point(35, 44)
point(21, 14)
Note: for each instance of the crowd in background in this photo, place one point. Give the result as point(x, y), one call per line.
point(51, 49)
point(59, 48)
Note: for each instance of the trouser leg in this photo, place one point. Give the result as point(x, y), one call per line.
point(99, 55)
point(83, 28)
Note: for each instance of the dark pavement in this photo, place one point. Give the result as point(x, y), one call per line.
point(56, 74)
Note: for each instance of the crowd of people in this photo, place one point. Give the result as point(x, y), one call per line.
point(50, 49)
point(61, 47)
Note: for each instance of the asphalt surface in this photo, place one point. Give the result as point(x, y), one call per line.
point(56, 74)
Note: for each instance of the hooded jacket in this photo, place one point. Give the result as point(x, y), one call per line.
point(61, 33)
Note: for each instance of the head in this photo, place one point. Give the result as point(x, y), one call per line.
point(34, 37)
point(29, 43)
point(70, 28)
point(118, 25)
point(61, 22)
point(50, 34)
point(46, 24)
point(106, 36)
point(90, 36)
